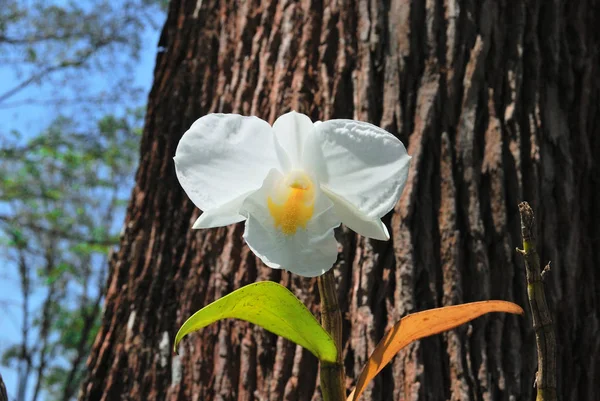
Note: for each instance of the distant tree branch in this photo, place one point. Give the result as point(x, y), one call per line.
point(57, 233)
point(46, 321)
point(38, 38)
point(81, 351)
point(26, 363)
point(36, 77)
point(61, 101)
point(53, 68)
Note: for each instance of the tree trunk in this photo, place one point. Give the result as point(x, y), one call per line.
point(3, 395)
point(497, 103)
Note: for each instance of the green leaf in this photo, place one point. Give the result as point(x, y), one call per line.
point(271, 306)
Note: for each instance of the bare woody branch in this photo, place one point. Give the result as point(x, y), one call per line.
point(542, 320)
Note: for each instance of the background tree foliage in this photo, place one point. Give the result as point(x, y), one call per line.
point(55, 42)
point(63, 189)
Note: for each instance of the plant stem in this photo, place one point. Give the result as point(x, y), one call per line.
point(332, 375)
point(542, 321)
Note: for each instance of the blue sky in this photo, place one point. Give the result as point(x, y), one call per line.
point(31, 118)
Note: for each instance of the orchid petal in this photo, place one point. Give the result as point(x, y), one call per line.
point(355, 219)
point(291, 130)
point(222, 157)
point(223, 215)
point(360, 163)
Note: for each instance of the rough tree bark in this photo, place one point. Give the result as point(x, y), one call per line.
point(497, 101)
point(3, 396)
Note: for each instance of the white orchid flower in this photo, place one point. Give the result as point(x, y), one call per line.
point(292, 183)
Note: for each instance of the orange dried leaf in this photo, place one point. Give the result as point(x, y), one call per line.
point(422, 324)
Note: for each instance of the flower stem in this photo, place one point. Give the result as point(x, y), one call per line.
point(332, 374)
point(542, 320)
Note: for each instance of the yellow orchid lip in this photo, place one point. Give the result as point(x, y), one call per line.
point(292, 203)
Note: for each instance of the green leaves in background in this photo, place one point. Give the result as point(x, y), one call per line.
point(62, 197)
point(271, 306)
point(75, 86)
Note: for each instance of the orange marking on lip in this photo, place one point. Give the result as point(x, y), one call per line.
point(297, 208)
